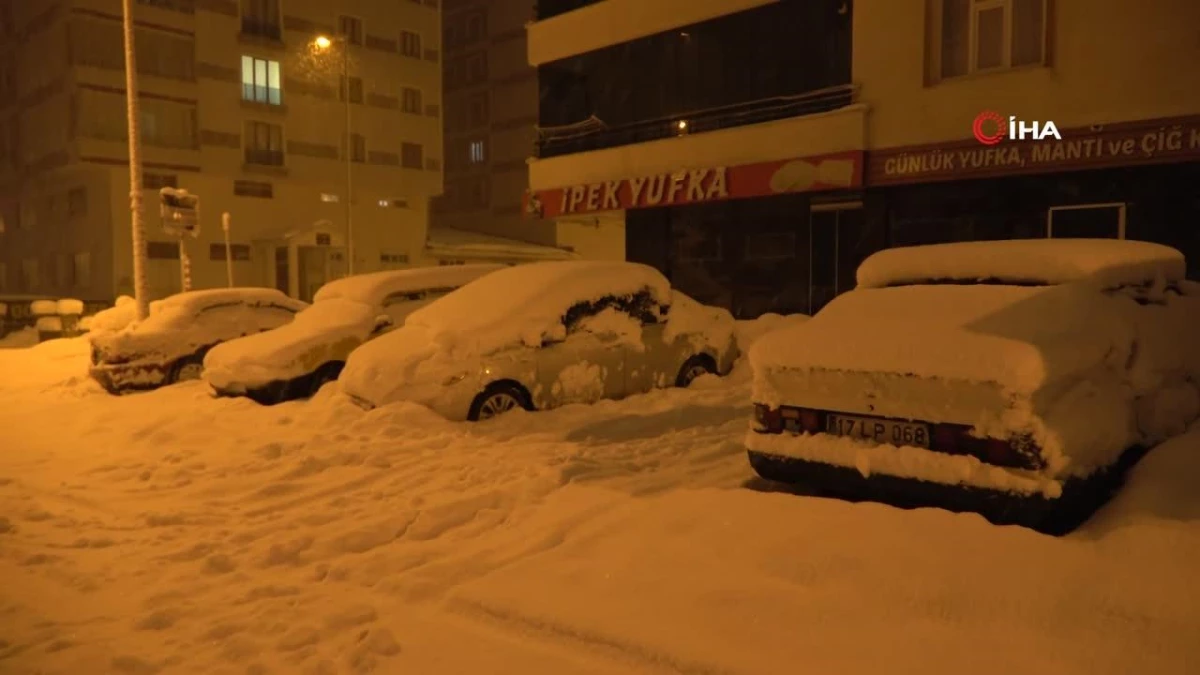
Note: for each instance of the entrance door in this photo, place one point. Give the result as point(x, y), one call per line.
point(1087, 221)
point(282, 269)
point(835, 237)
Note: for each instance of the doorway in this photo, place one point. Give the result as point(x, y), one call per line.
point(1086, 221)
point(837, 244)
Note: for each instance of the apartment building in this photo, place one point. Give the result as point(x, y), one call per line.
point(491, 101)
point(1118, 79)
point(717, 140)
point(242, 105)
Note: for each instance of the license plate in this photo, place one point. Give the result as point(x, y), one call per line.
point(877, 430)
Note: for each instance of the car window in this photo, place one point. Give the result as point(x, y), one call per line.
point(405, 296)
point(642, 307)
point(583, 310)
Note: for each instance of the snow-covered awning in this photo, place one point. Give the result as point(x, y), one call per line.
point(452, 244)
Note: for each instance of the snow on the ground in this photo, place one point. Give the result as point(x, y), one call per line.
point(171, 532)
point(24, 337)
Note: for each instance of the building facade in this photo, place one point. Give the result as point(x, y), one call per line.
point(757, 151)
point(242, 105)
point(491, 102)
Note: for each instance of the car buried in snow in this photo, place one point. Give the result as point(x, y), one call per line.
point(295, 360)
point(1018, 379)
point(170, 344)
point(543, 335)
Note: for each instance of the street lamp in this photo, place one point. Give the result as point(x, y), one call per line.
point(323, 44)
point(135, 165)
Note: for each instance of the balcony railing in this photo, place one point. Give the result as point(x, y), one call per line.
point(594, 134)
point(264, 157)
point(545, 9)
point(263, 29)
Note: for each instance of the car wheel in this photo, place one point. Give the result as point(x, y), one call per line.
point(700, 364)
point(324, 375)
point(496, 400)
point(187, 368)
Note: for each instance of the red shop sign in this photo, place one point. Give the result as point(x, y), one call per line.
point(693, 186)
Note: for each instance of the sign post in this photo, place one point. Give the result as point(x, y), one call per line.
point(228, 250)
point(180, 211)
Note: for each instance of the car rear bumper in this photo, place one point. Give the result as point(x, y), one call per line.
point(1079, 499)
point(128, 377)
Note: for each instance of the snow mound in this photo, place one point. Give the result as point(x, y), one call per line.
point(373, 288)
point(68, 306)
point(749, 332)
point(524, 304)
point(120, 315)
point(1109, 262)
point(44, 307)
point(325, 331)
point(50, 324)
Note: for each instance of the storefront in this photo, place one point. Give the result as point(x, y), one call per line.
point(780, 236)
point(1132, 180)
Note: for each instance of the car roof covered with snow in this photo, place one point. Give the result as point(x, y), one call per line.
point(375, 287)
point(167, 312)
point(520, 303)
point(1109, 262)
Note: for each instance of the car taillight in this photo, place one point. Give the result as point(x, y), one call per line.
point(768, 419)
point(810, 421)
point(1017, 452)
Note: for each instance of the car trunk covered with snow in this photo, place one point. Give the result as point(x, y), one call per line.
point(551, 333)
point(1017, 371)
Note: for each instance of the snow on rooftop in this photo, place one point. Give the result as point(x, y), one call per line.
point(1111, 262)
point(454, 243)
point(373, 288)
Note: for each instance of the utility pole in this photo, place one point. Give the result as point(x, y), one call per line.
point(349, 161)
point(228, 250)
point(135, 166)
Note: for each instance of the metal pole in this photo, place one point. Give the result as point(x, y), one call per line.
point(228, 250)
point(349, 162)
point(135, 166)
point(185, 265)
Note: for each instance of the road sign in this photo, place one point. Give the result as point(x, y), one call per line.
point(180, 211)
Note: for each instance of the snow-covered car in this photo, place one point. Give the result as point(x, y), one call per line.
point(295, 360)
point(542, 335)
point(1018, 379)
point(169, 346)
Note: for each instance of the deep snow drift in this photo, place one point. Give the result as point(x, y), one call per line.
point(171, 532)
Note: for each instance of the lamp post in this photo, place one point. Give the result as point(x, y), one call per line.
point(135, 165)
point(324, 44)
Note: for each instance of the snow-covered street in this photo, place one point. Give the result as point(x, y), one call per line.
point(173, 532)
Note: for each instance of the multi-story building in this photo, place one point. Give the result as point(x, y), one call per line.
point(1118, 79)
point(717, 140)
point(491, 102)
point(723, 141)
point(242, 105)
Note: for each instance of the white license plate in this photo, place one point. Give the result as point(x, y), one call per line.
point(877, 430)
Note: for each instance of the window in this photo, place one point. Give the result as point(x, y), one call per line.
point(477, 68)
point(28, 217)
point(62, 271)
point(30, 278)
point(356, 90)
point(263, 143)
point(158, 181)
point(410, 44)
point(412, 155)
point(261, 18)
point(168, 124)
point(162, 250)
point(411, 100)
point(479, 196)
point(81, 269)
point(393, 258)
point(260, 81)
point(3, 277)
point(358, 148)
point(476, 155)
point(476, 26)
point(983, 35)
point(351, 28)
point(239, 252)
point(253, 188)
point(77, 202)
point(479, 110)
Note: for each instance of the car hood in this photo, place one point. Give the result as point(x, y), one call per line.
point(325, 331)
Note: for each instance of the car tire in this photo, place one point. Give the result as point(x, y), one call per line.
point(187, 368)
point(497, 399)
point(700, 364)
point(324, 375)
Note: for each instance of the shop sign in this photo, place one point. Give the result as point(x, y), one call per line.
point(1111, 145)
point(700, 185)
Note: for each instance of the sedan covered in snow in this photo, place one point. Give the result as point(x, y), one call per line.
point(543, 335)
point(169, 346)
point(294, 361)
point(1015, 378)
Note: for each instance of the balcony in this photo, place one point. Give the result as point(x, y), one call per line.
point(545, 9)
point(255, 157)
point(593, 134)
point(266, 30)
